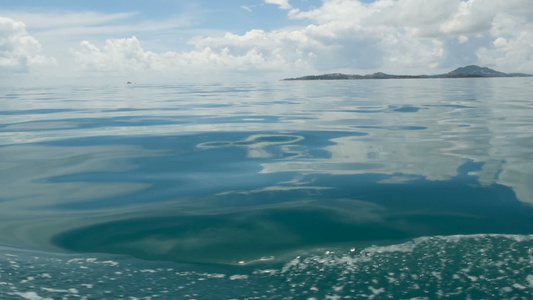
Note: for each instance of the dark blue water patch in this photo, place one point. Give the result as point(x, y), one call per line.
point(232, 235)
point(197, 165)
point(390, 108)
point(405, 109)
point(467, 167)
point(131, 109)
point(297, 116)
point(462, 193)
point(449, 105)
point(280, 102)
point(242, 119)
point(182, 107)
point(197, 106)
point(392, 128)
point(11, 96)
point(353, 208)
point(364, 111)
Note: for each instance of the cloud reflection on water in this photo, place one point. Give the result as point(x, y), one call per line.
point(175, 172)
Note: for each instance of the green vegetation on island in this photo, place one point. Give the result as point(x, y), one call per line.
point(463, 72)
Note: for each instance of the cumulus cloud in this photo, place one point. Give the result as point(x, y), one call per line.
point(394, 36)
point(407, 36)
point(342, 36)
point(118, 55)
point(283, 4)
point(18, 50)
point(126, 56)
point(437, 33)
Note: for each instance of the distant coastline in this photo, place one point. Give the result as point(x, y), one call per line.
point(471, 71)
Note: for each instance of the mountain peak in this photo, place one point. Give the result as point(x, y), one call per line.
point(475, 71)
point(462, 72)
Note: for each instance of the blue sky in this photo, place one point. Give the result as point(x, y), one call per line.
point(163, 40)
point(236, 16)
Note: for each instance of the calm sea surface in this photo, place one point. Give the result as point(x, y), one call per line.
point(374, 189)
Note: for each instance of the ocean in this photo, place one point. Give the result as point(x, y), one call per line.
point(357, 189)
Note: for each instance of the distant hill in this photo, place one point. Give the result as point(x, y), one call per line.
point(463, 72)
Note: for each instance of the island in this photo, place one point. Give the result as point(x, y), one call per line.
point(471, 71)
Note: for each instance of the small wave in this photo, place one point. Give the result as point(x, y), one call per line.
point(465, 266)
point(482, 266)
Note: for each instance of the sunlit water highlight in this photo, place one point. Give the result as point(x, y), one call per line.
point(368, 189)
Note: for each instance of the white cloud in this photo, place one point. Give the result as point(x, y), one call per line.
point(118, 55)
point(415, 34)
point(127, 57)
point(408, 36)
point(462, 39)
point(283, 4)
point(515, 54)
point(338, 39)
point(18, 50)
point(394, 36)
point(420, 17)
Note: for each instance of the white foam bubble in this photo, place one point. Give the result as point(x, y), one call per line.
point(403, 270)
point(376, 291)
point(110, 262)
point(30, 296)
point(54, 290)
point(529, 279)
point(238, 277)
point(519, 286)
point(148, 271)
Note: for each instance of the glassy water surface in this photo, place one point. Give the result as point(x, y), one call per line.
point(280, 190)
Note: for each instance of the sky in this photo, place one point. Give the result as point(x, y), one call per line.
point(246, 40)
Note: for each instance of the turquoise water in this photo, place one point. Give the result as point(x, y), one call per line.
point(371, 189)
